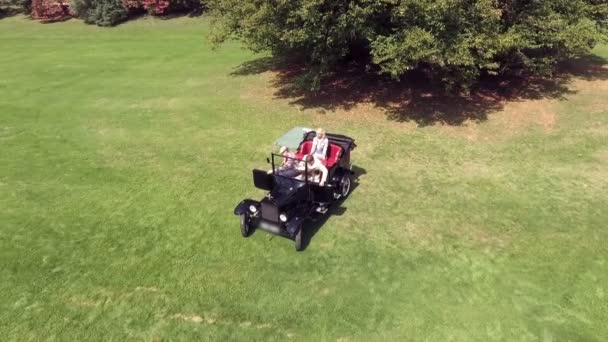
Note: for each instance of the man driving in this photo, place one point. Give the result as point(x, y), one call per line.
point(314, 166)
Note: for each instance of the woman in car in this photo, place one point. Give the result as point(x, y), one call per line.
point(289, 167)
point(320, 144)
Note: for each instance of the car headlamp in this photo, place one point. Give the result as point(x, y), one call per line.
point(253, 209)
point(283, 218)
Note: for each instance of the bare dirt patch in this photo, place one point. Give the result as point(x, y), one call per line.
point(598, 106)
point(596, 87)
point(591, 85)
point(264, 92)
point(598, 129)
point(517, 116)
point(602, 156)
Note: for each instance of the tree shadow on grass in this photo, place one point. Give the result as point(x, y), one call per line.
point(415, 98)
point(57, 19)
point(181, 14)
point(258, 66)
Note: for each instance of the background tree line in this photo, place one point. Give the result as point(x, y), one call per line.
point(454, 41)
point(100, 12)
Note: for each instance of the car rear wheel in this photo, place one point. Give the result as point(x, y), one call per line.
point(246, 229)
point(345, 185)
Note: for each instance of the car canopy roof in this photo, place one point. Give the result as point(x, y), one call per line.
point(293, 138)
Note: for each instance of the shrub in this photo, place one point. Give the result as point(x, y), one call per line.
point(107, 13)
point(49, 9)
point(15, 5)
point(112, 12)
point(26, 6)
point(192, 6)
point(457, 41)
point(80, 8)
point(100, 12)
point(160, 7)
point(154, 7)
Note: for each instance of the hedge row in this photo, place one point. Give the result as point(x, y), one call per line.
point(101, 12)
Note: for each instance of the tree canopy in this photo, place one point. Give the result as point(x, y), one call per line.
point(457, 41)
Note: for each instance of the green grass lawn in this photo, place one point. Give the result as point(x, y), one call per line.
point(123, 153)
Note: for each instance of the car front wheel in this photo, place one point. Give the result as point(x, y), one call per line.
point(246, 229)
point(299, 240)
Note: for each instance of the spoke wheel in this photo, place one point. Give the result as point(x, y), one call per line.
point(345, 185)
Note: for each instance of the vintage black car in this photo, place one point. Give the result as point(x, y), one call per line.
point(292, 202)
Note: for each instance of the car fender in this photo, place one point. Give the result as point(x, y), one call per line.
point(339, 174)
point(294, 225)
point(243, 207)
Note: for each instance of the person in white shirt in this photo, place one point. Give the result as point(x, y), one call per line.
point(320, 144)
point(314, 165)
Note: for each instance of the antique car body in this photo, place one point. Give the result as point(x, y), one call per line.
point(290, 202)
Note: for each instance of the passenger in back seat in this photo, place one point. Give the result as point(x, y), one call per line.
point(320, 143)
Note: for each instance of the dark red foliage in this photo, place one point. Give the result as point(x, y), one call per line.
point(156, 7)
point(132, 4)
point(50, 9)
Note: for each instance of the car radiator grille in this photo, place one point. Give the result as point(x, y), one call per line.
point(270, 212)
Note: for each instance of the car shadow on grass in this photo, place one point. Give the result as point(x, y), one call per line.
point(337, 209)
point(415, 98)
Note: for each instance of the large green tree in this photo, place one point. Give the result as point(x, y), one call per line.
point(457, 40)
